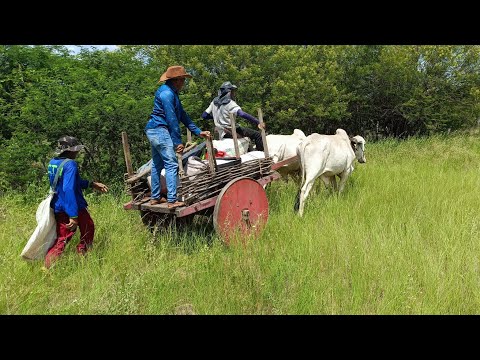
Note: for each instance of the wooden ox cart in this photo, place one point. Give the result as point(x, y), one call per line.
point(233, 194)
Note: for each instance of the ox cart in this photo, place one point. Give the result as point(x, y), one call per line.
point(232, 193)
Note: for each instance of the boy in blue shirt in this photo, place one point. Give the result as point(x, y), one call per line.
point(68, 203)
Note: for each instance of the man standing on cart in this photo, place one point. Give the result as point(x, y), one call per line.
point(163, 132)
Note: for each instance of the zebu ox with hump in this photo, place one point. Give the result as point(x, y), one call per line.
point(282, 147)
point(327, 156)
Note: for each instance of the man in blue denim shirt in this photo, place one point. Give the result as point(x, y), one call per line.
point(163, 132)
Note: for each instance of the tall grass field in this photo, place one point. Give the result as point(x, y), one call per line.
point(403, 238)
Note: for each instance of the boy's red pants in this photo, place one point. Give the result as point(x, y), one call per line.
point(64, 235)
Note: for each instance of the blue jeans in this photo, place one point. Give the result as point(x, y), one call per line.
point(163, 156)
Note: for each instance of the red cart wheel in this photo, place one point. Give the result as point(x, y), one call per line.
point(241, 208)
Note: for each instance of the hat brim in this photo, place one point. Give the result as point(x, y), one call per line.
point(71, 148)
point(165, 78)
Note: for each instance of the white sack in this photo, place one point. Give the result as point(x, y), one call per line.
point(44, 234)
point(227, 145)
point(252, 155)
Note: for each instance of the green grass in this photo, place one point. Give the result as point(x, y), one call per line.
point(402, 239)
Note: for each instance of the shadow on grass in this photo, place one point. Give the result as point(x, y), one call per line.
point(189, 234)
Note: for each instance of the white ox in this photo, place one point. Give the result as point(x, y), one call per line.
point(282, 147)
point(327, 156)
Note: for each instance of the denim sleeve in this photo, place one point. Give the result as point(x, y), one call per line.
point(249, 117)
point(171, 117)
point(69, 175)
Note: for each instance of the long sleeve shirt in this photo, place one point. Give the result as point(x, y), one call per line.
point(221, 117)
point(68, 196)
point(168, 111)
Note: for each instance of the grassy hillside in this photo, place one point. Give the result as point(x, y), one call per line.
point(402, 239)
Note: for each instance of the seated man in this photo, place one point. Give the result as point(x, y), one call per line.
point(224, 104)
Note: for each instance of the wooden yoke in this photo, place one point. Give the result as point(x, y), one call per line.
point(264, 137)
point(234, 135)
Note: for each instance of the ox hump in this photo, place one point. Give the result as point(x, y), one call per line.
point(342, 133)
point(299, 134)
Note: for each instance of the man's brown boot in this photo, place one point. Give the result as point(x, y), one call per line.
point(158, 201)
point(175, 204)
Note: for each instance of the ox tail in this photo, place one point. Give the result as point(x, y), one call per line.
point(301, 154)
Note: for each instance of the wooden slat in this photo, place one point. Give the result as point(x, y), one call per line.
point(234, 135)
point(211, 156)
point(285, 162)
point(269, 178)
point(196, 207)
point(264, 136)
point(181, 173)
point(189, 147)
point(137, 177)
point(126, 151)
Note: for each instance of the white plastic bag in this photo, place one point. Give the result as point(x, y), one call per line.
point(194, 166)
point(45, 233)
point(228, 146)
point(252, 155)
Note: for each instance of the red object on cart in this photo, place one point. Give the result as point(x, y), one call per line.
point(218, 154)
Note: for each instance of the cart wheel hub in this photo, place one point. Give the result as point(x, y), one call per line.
point(241, 210)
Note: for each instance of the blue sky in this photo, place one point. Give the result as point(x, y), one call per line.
point(75, 49)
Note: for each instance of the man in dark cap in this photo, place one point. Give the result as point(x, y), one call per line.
point(163, 132)
point(223, 105)
point(68, 203)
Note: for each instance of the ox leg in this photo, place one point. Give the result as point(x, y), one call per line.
point(326, 181)
point(330, 182)
point(343, 179)
point(304, 193)
point(333, 180)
